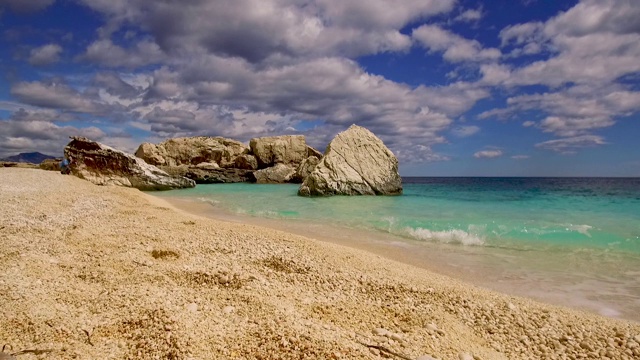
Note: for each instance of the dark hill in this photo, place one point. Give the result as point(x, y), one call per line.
point(32, 157)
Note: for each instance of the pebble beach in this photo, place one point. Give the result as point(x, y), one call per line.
point(93, 272)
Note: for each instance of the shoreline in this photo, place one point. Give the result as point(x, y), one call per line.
point(499, 270)
point(103, 272)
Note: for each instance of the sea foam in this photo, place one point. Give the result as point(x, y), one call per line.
point(454, 236)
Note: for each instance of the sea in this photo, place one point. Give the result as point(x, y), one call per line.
point(566, 241)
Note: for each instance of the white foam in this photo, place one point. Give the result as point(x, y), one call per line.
point(582, 229)
point(448, 236)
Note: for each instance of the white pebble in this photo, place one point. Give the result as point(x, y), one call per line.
point(395, 336)
point(193, 307)
point(425, 357)
point(228, 309)
point(381, 331)
point(432, 327)
point(465, 356)
point(511, 306)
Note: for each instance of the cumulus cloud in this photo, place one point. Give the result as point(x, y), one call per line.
point(274, 31)
point(454, 47)
point(54, 95)
point(24, 136)
point(488, 154)
point(105, 52)
point(574, 111)
point(520, 157)
point(595, 41)
point(45, 55)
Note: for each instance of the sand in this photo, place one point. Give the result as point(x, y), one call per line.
point(90, 272)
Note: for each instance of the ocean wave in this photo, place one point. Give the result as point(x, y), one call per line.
point(454, 236)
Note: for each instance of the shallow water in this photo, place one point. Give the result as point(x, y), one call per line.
point(573, 242)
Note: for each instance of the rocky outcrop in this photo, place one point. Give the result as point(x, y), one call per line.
point(287, 149)
point(216, 159)
point(193, 151)
point(281, 158)
point(305, 168)
point(246, 162)
point(104, 165)
point(211, 173)
point(280, 173)
point(356, 162)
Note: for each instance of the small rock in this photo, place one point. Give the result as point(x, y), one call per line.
point(395, 336)
point(425, 357)
point(432, 327)
point(511, 306)
point(637, 338)
point(193, 307)
point(381, 332)
point(228, 309)
point(465, 356)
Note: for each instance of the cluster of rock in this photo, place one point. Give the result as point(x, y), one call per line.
point(278, 159)
point(356, 162)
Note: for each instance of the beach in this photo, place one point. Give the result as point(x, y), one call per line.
point(91, 272)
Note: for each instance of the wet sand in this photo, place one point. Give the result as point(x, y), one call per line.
point(91, 272)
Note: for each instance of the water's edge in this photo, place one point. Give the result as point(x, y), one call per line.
point(514, 272)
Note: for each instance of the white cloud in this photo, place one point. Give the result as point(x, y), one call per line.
point(488, 154)
point(576, 110)
point(268, 31)
point(45, 55)
point(594, 42)
point(520, 157)
point(105, 52)
point(53, 95)
point(465, 130)
point(454, 47)
point(18, 136)
point(470, 15)
point(572, 144)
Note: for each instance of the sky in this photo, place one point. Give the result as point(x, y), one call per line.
point(453, 88)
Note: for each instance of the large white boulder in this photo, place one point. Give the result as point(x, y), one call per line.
point(356, 162)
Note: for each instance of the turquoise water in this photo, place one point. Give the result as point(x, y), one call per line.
point(519, 213)
point(573, 241)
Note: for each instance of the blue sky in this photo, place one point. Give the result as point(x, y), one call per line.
point(454, 88)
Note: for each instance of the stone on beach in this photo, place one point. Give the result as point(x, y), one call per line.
point(104, 165)
point(356, 162)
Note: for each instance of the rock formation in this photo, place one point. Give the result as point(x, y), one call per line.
point(277, 174)
point(356, 162)
point(288, 149)
point(103, 165)
point(211, 173)
point(216, 159)
point(305, 168)
point(193, 151)
point(280, 157)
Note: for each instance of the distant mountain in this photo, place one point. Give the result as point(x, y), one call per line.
point(32, 157)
